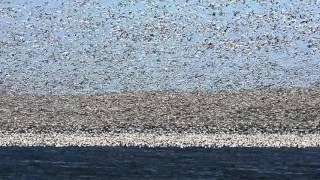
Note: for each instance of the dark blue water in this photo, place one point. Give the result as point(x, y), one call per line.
point(158, 163)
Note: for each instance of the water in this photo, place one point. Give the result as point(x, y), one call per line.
point(158, 163)
point(72, 47)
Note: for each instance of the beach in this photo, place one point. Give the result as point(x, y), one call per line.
point(262, 117)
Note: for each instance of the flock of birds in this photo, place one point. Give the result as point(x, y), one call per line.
point(89, 45)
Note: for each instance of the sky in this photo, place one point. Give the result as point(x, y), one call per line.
point(90, 46)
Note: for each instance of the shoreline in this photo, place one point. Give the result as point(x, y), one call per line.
point(257, 118)
point(153, 140)
point(271, 111)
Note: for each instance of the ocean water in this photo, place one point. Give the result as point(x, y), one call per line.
point(75, 47)
point(158, 163)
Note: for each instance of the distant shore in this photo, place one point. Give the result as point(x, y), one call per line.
point(155, 140)
point(261, 117)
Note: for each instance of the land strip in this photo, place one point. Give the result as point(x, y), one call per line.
point(293, 112)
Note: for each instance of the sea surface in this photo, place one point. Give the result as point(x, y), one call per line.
point(158, 163)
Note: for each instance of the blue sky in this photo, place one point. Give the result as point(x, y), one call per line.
point(97, 46)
